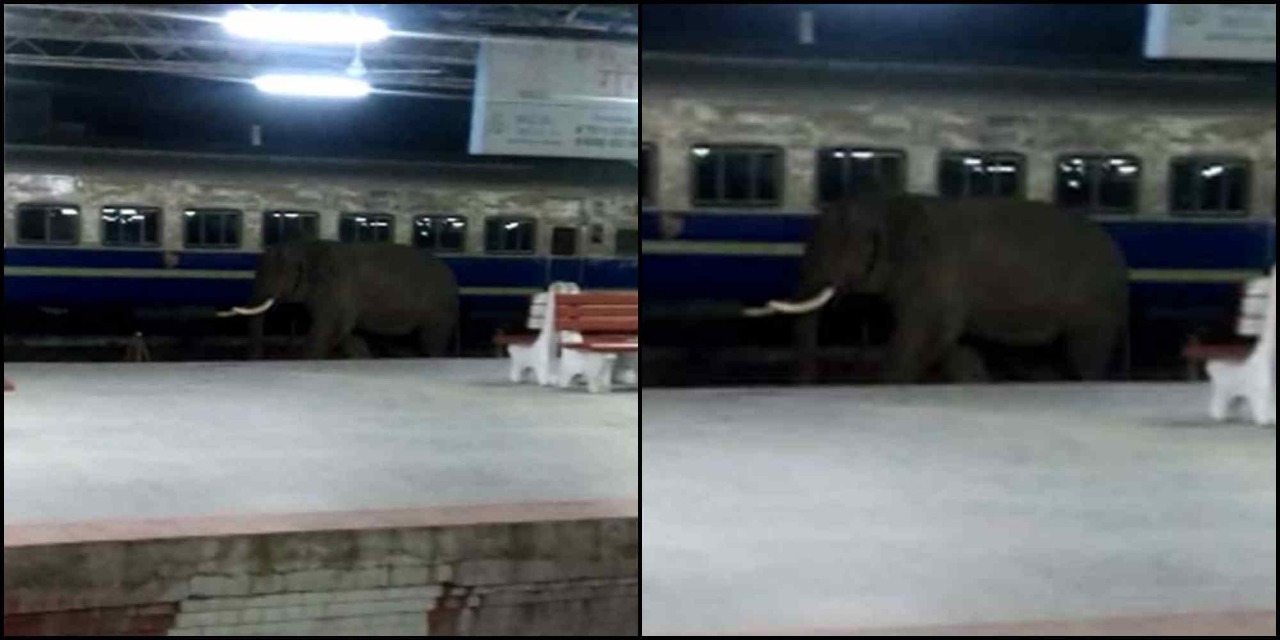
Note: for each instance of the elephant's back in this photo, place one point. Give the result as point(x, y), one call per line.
point(1036, 226)
point(1034, 240)
point(427, 275)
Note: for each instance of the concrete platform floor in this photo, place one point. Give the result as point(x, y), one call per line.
point(93, 441)
point(843, 509)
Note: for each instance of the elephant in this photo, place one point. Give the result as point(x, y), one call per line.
point(959, 272)
point(380, 289)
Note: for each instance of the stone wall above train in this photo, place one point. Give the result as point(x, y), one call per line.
point(926, 111)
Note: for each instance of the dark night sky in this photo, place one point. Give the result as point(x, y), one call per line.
point(155, 111)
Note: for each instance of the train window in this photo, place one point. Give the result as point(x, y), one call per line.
point(442, 234)
point(130, 226)
point(48, 224)
point(1098, 184)
point(736, 176)
point(648, 158)
point(564, 241)
point(1206, 186)
point(509, 234)
point(849, 172)
point(980, 174)
point(212, 228)
point(626, 242)
point(366, 227)
point(287, 226)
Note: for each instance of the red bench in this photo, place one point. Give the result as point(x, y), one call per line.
point(599, 337)
point(606, 322)
point(591, 335)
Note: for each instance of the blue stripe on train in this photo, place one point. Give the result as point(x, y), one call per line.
point(507, 271)
point(1227, 244)
point(160, 292)
point(753, 279)
point(532, 272)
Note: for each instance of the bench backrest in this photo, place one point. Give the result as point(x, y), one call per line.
point(1255, 305)
point(598, 312)
point(538, 303)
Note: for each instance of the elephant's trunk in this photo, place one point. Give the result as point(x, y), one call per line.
point(815, 291)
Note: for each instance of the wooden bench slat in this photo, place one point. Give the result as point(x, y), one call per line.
point(604, 347)
point(1217, 351)
point(598, 324)
point(597, 297)
point(597, 311)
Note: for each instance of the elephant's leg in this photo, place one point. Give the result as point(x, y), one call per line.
point(356, 348)
point(434, 339)
point(911, 354)
point(964, 364)
point(921, 338)
point(1089, 351)
point(328, 332)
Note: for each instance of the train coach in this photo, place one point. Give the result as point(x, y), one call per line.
point(737, 153)
point(103, 242)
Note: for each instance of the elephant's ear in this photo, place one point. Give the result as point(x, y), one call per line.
point(321, 265)
point(298, 260)
point(906, 230)
point(844, 216)
point(302, 274)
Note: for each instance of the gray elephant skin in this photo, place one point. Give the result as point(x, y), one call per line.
point(354, 289)
point(961, 272)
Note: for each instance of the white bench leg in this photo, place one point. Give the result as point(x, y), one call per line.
point(628, 369)
point(542, 368)
point(1262, 396)
point(571, 366)
point(600, 372)
point(1222, 393)
point(596, 369)
point(519, 362)
point(1245, 381)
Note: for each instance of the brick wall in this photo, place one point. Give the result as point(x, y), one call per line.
point(554, 569)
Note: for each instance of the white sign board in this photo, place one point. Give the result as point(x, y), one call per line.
point(1239, 32)
point(557, 98)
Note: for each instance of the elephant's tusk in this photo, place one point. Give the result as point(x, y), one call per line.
point(759, 312)
point(804, 306)
point(251, 311)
